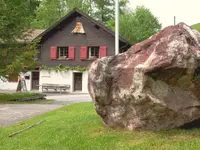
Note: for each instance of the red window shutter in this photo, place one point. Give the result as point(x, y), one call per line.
point(103, 51)
point(53, 52)
point(83, 53)
point(71, 52)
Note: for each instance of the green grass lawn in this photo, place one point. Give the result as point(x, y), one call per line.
point(77, 127)
point(8, 98)
point(196, 26)
point(39, 101)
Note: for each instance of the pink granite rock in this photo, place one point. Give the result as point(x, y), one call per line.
point(153, 85)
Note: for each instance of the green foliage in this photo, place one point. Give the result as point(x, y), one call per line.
point(48, 13)
point(58, 8)
point(106, 9)
point(102, 10)
point(78, 127)
point(16, 56)
point(12, 98)
point(64, 68)
point(84, 5)
point(196, 26)
point(9, 97)
point(15, 17)
point(137, 26)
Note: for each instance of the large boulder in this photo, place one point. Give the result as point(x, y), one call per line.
point(152, 86)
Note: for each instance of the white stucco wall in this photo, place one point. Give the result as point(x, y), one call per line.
point(62, 77)
point(5, 85)
point(85, 82)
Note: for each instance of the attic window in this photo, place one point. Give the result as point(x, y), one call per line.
point(78, 28)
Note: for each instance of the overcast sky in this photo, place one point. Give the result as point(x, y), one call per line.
point(185, 10)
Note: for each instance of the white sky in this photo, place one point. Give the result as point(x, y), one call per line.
point(185, 10)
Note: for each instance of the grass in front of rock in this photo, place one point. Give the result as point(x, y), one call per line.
point(10, 98)
point(78, 127)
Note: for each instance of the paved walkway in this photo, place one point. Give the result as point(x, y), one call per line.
point(68, 99)
point(12, 113)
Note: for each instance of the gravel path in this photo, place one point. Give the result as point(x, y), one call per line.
point(12, 113)
point(68, 99)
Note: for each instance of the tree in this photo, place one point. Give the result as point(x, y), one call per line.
point(15, 18)
point(48, 13)
point(138, 25)
point(15, 57)
point(84, 5)
point(105, 9)
point(58, 8)
point(102, 10)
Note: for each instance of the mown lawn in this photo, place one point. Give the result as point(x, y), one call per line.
point(77, 127)
point(196, 26)
point(9, 98)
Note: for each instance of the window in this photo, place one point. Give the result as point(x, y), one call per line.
point(63, 53)
point(93, 52)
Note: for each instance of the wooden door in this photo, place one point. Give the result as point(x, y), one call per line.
point(35, 80)
point(77, 81)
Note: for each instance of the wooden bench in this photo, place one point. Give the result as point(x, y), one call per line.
point(55, 87)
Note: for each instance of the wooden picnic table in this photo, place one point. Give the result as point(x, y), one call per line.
point(55, 87)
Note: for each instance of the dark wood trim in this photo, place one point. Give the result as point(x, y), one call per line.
point(77, 80)
point(35, 80)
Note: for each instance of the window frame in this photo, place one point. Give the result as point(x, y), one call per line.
point(93, 52)
point(65, 52)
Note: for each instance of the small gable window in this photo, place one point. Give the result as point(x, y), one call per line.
point(63, 53)
point(78, 28)
point(93, 52)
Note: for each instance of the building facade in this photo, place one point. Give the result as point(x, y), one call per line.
point(74, 41)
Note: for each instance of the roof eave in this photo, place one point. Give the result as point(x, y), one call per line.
point(85, 15)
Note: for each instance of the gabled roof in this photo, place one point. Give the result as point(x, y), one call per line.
point(30, 35)
point(71, 13)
